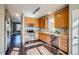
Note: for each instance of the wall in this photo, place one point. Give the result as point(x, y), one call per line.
point(1, 29)
point(8, 30)
point(71, 7)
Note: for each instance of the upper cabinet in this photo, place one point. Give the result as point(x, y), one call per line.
point(57, 20)
point(62, 18)
point(43, 22)
point(29, 21)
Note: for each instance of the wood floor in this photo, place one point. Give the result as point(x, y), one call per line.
point(34, 48)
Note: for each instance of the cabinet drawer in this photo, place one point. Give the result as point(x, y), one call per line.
point(64, 48)
point(63, 40)
point(64, 44)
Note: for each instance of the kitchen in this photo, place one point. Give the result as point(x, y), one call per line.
point(39, 29)
point(42, 33)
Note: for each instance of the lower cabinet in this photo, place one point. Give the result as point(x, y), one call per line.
point(63, 43)
point(45, 38)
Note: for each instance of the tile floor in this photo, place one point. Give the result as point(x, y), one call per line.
point(34, 48)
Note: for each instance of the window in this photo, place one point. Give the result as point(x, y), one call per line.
point(51, 24)
point(18, 27)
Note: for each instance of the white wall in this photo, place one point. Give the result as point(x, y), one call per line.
point(71, 7)
point(1, 29)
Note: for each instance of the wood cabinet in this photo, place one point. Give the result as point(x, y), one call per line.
point(63, 43)
point(45, 38)
point(43, 22)
point(62, 18)
point(34, 21)
point(57, 20)
point(46, 22)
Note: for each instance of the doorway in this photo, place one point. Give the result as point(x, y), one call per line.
point(16, 40)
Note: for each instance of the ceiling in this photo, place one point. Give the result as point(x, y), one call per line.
point(28, 9)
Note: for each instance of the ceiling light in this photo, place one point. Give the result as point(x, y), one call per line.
point(49, 12)
point(17, 14)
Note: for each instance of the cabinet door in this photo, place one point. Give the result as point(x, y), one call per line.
point(63, 43)
point(46, 22)
point(57, 20)
point(64, 19)
point(48, 39)
point(42, 23)
point(39, 36)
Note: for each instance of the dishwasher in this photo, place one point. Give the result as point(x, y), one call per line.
point(55, 41)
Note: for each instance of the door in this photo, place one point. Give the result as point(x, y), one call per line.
point(75, 32)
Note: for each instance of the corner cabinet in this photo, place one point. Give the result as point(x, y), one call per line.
point(44, 37)
point(43, 22)
point(62, 18)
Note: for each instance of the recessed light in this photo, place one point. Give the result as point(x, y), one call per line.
point(49, 12)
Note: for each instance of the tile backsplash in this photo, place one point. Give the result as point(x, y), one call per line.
point(44, 29)
point(62, 30)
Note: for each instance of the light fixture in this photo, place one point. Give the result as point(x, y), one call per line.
point(49, 12)
point(36, 10)
point(17, 14)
